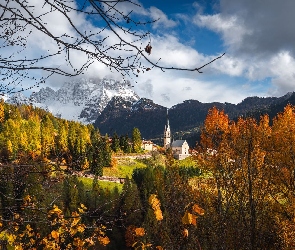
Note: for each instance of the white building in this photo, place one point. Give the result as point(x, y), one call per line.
point(147, 145)
point(180, 148)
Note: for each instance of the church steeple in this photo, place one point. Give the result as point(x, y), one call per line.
point(167, 134)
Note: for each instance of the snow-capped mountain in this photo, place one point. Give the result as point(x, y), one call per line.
point(81, 100)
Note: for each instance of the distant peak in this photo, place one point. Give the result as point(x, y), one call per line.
point(80, 99)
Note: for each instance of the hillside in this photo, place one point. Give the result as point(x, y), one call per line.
point(185, 118)
point(50, 167)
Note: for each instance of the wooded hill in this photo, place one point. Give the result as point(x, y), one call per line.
point(185, 118)
point(29, 134)
point(238, 192)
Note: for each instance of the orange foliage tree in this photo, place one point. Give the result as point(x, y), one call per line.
point(237, 155)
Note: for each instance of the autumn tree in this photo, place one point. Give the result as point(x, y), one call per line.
point(33, 131)
point(213, 140)
point(60, 139)
point(31, 187)
point(236, 154)
point(281, 172)
point(47, 136)
point(64, 232)
point(2, 114)
point(168, 200)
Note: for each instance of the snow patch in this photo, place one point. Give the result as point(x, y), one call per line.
point(81, 100)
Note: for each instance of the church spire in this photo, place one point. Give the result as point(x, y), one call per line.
point(167, 134)
point(168, 126)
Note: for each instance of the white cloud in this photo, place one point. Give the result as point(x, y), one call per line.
point(282, 67)
point(171, 87)
point(162, 19)
point(259, 39)
point(138, 9)
point(228, 65)
point(231, 28)
point(175, 54)
point(126, 6)
point(39, 42)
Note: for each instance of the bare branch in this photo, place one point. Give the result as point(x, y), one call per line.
point(21, 23)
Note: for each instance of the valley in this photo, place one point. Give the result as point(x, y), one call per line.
point(61, 177)
point(147, 125)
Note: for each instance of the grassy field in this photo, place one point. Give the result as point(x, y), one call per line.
point(187, 162)
point(124, 168)
point(104, 184)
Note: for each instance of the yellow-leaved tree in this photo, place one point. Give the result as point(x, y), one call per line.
point(64, 232)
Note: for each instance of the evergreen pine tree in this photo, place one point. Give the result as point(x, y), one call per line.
point(128, 145)
point(106, 152)
point(96, 162)
point(115, 143)
point(131, 207)
point(125, 144)
point(6, 193)
point(95, 153)
point(95, 192)
point(81, 192)
point(136, 140)
point(70, 194)
point(122, 143)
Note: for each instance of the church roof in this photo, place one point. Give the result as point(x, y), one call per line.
point(147, 142)
point(177, 143)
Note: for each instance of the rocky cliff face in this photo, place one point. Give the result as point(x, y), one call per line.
point(81, 100)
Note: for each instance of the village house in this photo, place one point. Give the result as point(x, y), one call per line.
point(147, 145)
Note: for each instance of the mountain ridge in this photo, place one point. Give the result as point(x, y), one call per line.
point(113, 106)
point(82, 100)
point(185, 118)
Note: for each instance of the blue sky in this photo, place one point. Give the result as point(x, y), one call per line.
point(257, 37)
point(251, 34)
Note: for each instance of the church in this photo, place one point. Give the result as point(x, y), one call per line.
point(180, 148)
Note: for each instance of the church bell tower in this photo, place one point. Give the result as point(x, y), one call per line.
point(167, 134)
